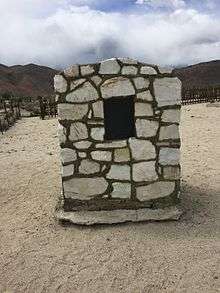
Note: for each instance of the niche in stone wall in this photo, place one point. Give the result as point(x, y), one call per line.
point(119, 118)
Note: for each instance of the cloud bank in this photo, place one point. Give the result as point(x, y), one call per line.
point(58, 33)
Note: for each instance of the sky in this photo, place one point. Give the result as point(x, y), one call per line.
point(58, 33)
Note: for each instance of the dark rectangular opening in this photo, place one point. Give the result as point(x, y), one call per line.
point(119, 118)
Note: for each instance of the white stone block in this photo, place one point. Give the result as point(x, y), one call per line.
point(87, 70)
point(84, 94)
point(155, 190)
point(171, 172)
point(119, 172)
point(78, 131)
point(122, 155)
point(60, 84)
point(129, 70)
point(96, 79)
point(112, 144)
point(61, 133)
point(98, 111)
point(169, 156)
point(109, 66)
point(143, 109)
point(171, 115)
point(144, 171)
point(68, 155)
point(72, 112)
point(116, 87)
point(167, 91)
point(101, 155)
point(128, 61)
point(141, 83)
point(121, 190)
point(165, 69)
point(148, 70)
point(84, 188)
point(97, 133)
point(77, 82)
point(67, 170)
point(72, 71)
point(82, 155)
point(145, 96)
point(142, 150)
point(169, 132)
point(82, 144)
point(146, 128)
point(89, 167)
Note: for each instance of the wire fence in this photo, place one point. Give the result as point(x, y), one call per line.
point(200, 95)
point(10, 112)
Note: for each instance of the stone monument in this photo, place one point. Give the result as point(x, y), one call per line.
point(120, 144)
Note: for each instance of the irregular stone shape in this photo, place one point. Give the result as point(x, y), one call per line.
point(84, 94)
point(82, 144)
point(171, 172)
point(96, 79)
point(68, 155)
point(146, 128)
point(86, 70)
point(61, 133)
point(148, 70)
point(143, 109)
point(97, 133)
point(116, 87)
point(119, 216)
point(171, 115)
point(112, 144)
point(90, 114)
point(119, 172)
point(72, 112)
point(144, 171)
point(141, 83)
point(84, 188)
point(167, 91)
point(101, 155)
point(67, 170)
point(78, 131)
point(98, 111)
point(109, 66)
point(128, 61)
point(169, 132)
point(169, 156)
point(165, 70)
point(72, 71)
point(145, 96)
point(89, 167)
point(76, 83)
point(155, 190)
point(129, 70)
point(121, 190)
point(60, 84)
point(121, 155)
point(82, 155)
point(142, 149)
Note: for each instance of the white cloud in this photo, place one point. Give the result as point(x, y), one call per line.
point(163, 3)
point(59, 33)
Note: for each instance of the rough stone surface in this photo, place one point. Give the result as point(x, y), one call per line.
point(169, 156)
point(76, 83)
point(143, 109)
point(82, 155)
point(144, 171)
point(109, 66)
point(112, 144)
point(68, 155)
point(60, 84)
point(116, 87)
point(89, 167)
point(165, 70)
point(84, 188)
point(72, 112)
point(78, 131)
point(145, 96)
point(169, 132)
point(155, 190)
point(82, 144)
point(142, 149)
point(171, 172)
point(67, 170)
point(122, 155)
point(129, 70)
point(141, 83)
point(119, 172)
point(83, 94)
point(146, 128)
point(98, 111)
point(61, 133)
point(96, 79)
point(148, 70)
point(101, 155)
point(121, 190)
point(171, 115)
point(97, 133)
point(87, 70)
point(128, 61)
point(167, 91)
point(72, 71)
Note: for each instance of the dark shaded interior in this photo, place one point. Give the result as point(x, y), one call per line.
point(119, 118)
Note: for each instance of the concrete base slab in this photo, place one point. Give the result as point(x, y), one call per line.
point(118, 216)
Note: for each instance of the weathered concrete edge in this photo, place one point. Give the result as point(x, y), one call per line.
point(118, 216)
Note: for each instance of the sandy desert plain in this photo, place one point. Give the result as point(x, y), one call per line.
point(37, 254)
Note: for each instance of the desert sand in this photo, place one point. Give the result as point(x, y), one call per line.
point(37, 254)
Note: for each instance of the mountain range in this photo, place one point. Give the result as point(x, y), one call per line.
point(34, 80)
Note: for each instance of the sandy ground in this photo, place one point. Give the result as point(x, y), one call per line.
point(39, 255)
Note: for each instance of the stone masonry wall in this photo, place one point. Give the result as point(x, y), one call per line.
point(139, 172)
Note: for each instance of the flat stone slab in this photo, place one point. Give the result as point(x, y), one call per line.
point(119, 216)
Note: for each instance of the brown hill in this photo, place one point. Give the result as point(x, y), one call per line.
point(29, 80)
